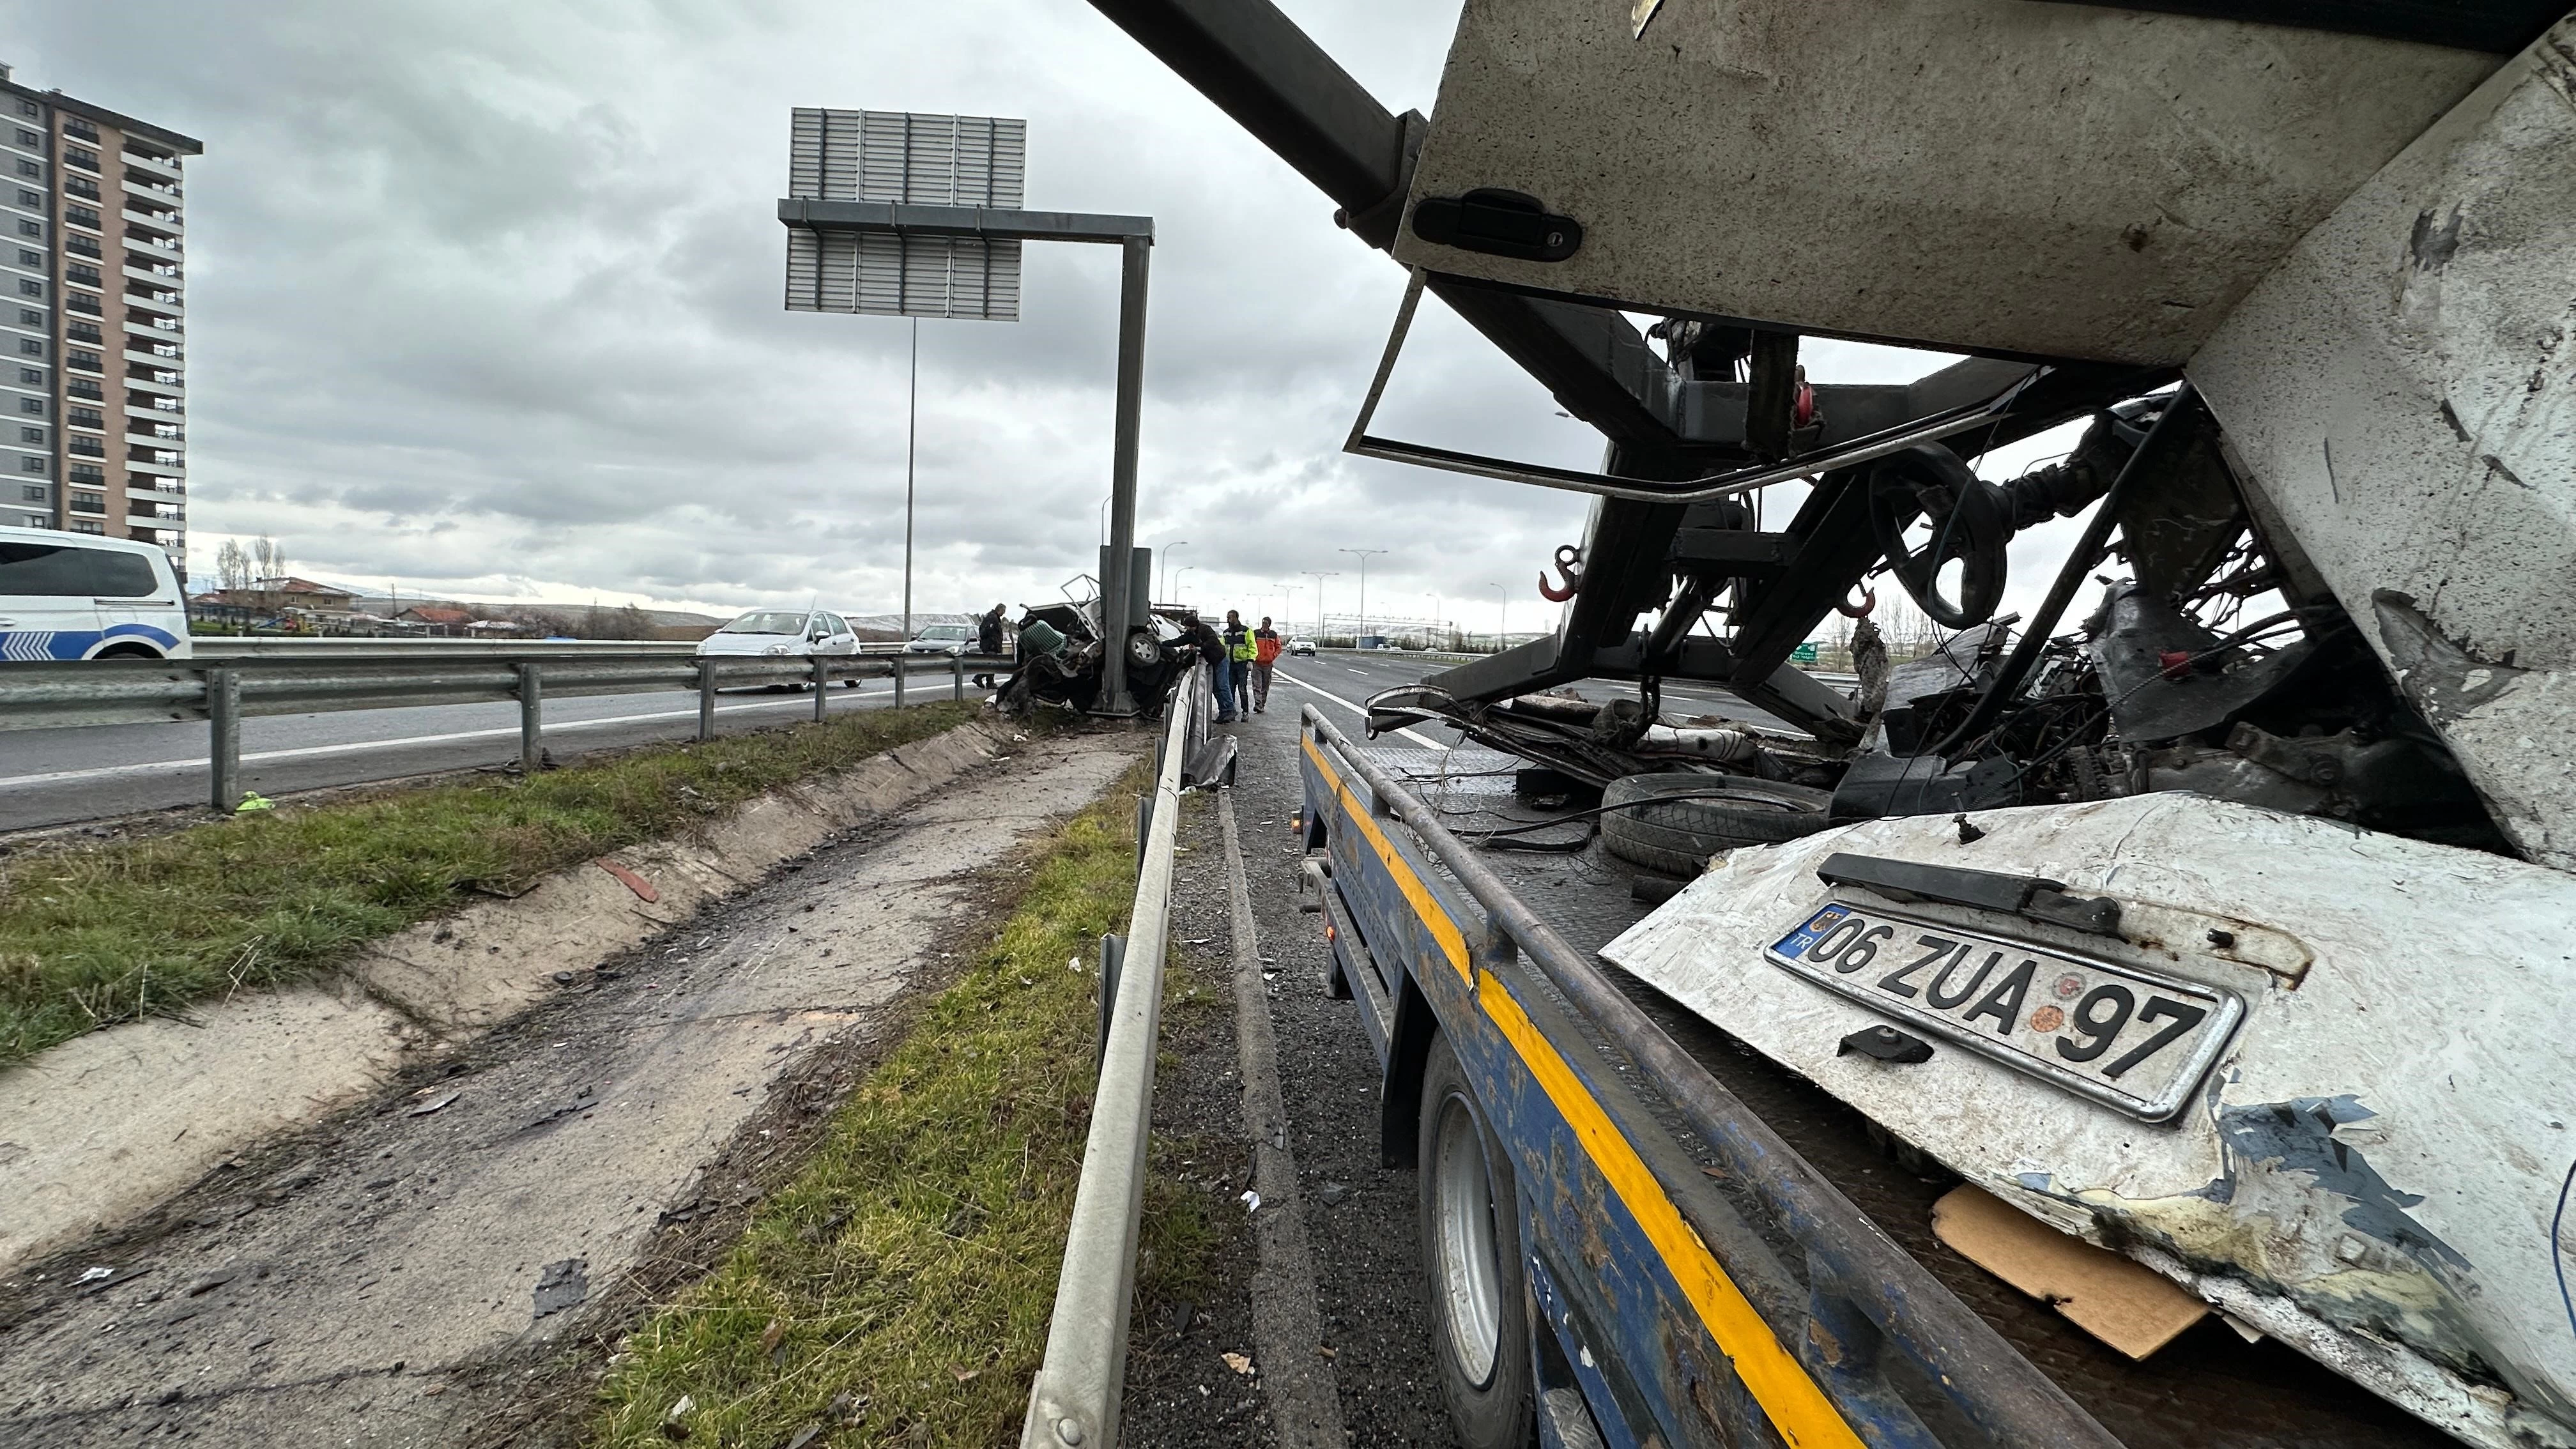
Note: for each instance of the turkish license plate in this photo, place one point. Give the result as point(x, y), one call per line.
point(2131, 1039)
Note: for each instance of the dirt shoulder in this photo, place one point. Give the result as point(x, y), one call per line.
point(392, 1277)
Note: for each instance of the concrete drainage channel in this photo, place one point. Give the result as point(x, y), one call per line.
point(369, 1276)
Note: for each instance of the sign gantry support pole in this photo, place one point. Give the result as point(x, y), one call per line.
point(1134, 236)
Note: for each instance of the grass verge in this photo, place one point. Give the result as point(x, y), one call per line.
point(112, 932)
point(898, 1289)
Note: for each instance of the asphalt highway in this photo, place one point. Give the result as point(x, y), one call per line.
point(70, 776)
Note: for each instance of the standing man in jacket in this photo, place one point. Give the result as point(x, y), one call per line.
point(1265, 653)
point(1239, 653)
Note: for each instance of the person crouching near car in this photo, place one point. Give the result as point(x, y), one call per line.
point(1265, 654)
point(1212, 651)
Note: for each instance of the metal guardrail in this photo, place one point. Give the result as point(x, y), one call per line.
point(300, 646)
point(62, 694)
point(286, 646)
point(1074, 1401)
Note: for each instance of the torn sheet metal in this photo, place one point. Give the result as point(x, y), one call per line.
point(2372, 1171)
point(2403, 393)
point(1875, 176)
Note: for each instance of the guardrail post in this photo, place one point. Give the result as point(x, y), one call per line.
point(1113, 956)
point(706, 700)
point(899, 661)
point(957, 663)
point(223, 733)
point(1145, 817)
point(822, 686)
point(532, 703)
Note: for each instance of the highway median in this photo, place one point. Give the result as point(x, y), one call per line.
point(92, 935)
point(898, 1289)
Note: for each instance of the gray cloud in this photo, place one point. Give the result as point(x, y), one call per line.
point(486, 297)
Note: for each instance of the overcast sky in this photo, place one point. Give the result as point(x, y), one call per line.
point(485, 299)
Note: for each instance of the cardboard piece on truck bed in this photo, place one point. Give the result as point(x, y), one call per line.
point(2128, 1306)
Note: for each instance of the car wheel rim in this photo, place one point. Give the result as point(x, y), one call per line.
point(1463, 1217)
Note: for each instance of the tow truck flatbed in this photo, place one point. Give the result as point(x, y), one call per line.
point(1717, 1252)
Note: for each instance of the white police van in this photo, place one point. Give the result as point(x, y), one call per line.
point(72, 596)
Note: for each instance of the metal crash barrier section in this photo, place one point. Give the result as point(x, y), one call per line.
point(224, 690)
point(1074, 1401)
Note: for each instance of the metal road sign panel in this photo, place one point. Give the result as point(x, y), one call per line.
point(904, 157)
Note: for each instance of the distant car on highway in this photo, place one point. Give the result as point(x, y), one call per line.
point(1301, 646)
point(943, 639)
point(72, 596)
point(775, 632)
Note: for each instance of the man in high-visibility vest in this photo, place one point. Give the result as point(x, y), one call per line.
point(1265, 653)
point(1239, 652)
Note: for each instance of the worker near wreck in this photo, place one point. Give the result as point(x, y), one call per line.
point(1240, 650)
point(1265, 656)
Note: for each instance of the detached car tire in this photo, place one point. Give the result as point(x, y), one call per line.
point(1471, 1258)
point(1650, 820)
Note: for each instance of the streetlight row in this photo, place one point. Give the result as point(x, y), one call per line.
point(1503, 597)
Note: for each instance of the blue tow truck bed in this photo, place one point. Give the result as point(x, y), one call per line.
point(1638, 1232)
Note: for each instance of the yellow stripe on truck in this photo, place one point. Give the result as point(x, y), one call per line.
point(1798, 1409)
point(1453, 944)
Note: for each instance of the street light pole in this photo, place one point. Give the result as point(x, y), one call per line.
point(1362, 554)
point(1319, 597)
point(1502, 614)
point(911, 432)
point(1165, 587)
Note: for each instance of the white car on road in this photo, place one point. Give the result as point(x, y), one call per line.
point(73, 596)
point(775, 632)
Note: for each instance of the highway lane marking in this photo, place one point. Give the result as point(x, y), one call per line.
point(1423, 740)
point(109, 772)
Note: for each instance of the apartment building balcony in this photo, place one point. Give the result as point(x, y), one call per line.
point(165, 249)
point(81, 447)
point(151, 271)
point(161, 221)
point(156, 301)
point(156, 193)
point(157, 413)
point(82, 387)
point(152, 327)
point(156, 354)
point(164, 491)
point(155, 435)
point(81, 246)
point(93, 504)
point(158, 383)
point(137, 465)
point(153, 166)
point(81, 186)
point(80, 159)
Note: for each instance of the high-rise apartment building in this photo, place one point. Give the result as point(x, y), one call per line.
point(93, 326)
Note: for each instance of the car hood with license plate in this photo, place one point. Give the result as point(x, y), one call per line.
point(2357, 1117)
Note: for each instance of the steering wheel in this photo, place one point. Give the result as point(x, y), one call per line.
point(1971, 523)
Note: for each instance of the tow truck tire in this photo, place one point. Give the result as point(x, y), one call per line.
point(1471, 1254)
point(1644, 824)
